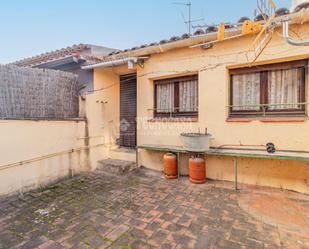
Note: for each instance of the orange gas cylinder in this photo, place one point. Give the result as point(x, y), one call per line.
point(197, 170)
point(170, 166)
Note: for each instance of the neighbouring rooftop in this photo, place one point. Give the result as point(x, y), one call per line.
point(87, 52)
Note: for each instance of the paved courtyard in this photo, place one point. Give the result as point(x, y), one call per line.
point(95, 210)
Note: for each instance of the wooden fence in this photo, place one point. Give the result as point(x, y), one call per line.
point(28, 93)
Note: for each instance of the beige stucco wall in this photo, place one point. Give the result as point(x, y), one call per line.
point(212, 68)
point(103, 111)
point(26, 140)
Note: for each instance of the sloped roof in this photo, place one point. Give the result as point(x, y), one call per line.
point(201, 35)
point(79, 51)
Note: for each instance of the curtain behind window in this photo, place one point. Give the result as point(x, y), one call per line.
point(188, 96)
point(246, 91)
point(284, 87)
point(165, 98)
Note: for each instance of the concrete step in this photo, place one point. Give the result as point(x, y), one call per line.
point(116, 167)
point(123, 154)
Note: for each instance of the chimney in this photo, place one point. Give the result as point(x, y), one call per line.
point(295, 3)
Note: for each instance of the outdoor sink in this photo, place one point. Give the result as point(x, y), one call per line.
point(195, 142)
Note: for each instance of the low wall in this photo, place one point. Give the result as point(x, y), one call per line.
point(285, 174)
point(35, 153)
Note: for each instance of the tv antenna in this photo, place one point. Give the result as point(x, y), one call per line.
point(267, 9)
point(189, 21)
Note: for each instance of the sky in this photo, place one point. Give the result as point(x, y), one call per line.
point(32, 27)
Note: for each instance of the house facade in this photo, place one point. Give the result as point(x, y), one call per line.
point(152, 94)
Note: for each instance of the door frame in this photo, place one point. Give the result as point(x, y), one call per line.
point(121, 79)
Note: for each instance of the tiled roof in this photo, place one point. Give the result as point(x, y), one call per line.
point(91, 58)
point(75, 50)
point(199, 32)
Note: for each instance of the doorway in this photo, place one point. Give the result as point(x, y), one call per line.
point(128, 111)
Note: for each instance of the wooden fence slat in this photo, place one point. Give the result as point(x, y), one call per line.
point(29, 93)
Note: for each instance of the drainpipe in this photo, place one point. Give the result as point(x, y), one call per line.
point(117, 62)
point(285, 32)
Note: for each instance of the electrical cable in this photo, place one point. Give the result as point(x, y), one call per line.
point(202, 69)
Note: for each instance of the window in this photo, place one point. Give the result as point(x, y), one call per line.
point(277, 89)
point(176, 97)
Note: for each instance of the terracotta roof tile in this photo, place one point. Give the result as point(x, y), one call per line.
point(199, 32)
point(49, 56)
point(75, 50)
point(116, 54)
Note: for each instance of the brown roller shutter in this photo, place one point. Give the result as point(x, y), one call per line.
point(128, 111)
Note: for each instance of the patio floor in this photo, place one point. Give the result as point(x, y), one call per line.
point(143, 210)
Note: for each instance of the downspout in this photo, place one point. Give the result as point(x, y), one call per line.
point(285, 32)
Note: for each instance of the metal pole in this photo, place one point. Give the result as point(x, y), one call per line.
point(235, 172)
point(268, 105)
point(205, 158)
point(137, 157)
point(178, 164)
point(189, 17)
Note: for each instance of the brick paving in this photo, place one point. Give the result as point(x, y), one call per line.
point(96, 210)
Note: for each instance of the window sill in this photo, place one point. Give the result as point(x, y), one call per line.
point(173, 120)
point(240, 120)
point(284, 119)
point(267, 119)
